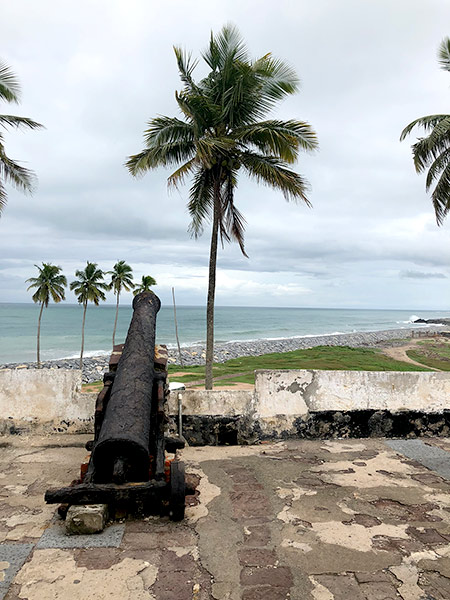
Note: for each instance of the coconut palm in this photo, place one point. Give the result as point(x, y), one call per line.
point(121, 277)
point(10, 171)
point(220, 134)
point(146, 283)
point(433, 151)
point(50, 284)
point(89, 287)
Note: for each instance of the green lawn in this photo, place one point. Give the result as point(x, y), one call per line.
point(321, 357)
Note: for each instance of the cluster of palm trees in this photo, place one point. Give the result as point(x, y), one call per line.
point(89, 286)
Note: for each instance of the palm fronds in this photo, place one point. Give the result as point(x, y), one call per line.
point(89, 287)
point(146, 284)
point(272, 172)
point(50, 283)
point(444, 54)
point(433, 151)
point(9, 84)
point(121, 277)
point(201, 200)
point(17, 122)
point(10, 171)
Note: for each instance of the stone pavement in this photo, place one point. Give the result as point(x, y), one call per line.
point(309, 520)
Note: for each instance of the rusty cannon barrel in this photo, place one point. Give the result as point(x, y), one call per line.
point(121, 453)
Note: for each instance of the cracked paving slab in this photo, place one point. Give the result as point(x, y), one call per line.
point(53, 574)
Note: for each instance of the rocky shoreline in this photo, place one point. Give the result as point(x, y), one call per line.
point(94, 367)
point(441, 321)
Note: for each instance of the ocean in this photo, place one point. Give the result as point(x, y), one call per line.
point(61, 326)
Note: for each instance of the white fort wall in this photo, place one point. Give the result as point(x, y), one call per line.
point(292, 392)
point(48, 399)
point(52, 399)
point(302, 391)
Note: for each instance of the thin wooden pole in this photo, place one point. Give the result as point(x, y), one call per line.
point(176, 326)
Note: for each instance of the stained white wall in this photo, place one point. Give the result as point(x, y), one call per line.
point(52, 399)
point(44, 398)
point(298, 392)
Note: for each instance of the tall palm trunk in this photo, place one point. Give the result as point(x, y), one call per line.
point(176, 326)
point(115, 322)
point(211, 292)
point(39, 337)
point(82, 334)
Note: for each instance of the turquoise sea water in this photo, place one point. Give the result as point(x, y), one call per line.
point(61, 326)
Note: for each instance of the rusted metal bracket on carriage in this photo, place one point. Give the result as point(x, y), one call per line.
point(128, 467)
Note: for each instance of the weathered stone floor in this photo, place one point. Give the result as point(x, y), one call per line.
point(309, 520)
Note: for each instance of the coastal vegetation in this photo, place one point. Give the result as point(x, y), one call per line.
point(10, 171)
point(321, 357)
point(121, 277)
point(241, 370)
point(89, 287)
point(50, 284)
point(225, 130)
point(433, 151)
point(434, 353)
point(146, 284)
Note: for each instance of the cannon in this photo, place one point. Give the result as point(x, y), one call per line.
point(128, 468)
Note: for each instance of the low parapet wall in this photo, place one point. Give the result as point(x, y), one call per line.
point(288, 403)
point(317, 404)
point(47, 400)
point(300, 392)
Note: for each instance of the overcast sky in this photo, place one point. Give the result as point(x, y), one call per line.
point(94, 72)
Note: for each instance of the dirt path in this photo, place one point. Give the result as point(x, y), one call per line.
point(399, 353)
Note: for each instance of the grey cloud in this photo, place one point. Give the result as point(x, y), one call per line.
point(421, 275)
point(94, 77)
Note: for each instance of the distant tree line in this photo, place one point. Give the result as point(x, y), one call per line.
point(90, 286)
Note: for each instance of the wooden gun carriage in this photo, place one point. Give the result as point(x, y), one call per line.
point(127, 468)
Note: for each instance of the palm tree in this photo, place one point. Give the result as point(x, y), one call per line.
point(433, 151)
point(220, 134)
point(50, 284)
point(11, 171)
point(146, 283)
point(88, 288)
point(121, 277)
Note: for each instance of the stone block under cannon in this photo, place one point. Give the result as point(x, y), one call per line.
point(127, 468)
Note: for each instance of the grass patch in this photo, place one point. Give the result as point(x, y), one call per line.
point(320, 357)
point(94, 386)
point(433, 353)
point(333, 358)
